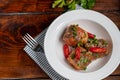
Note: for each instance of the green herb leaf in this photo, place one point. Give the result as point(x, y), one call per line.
point(87, 4)
point(105, 43)
point(84, 68)
point(78, 2)
point(84, 52)
point(71, 4)
point(79, 63)
point(73, 55)
point(90, 5)
point(83, 1)
point(97, 55)
point(59, 3)
point(85, 34)
point(79, 44)
point(95, 41)
point(81, 59)
point(84, 5)
point(73, 28)
point(85, 60)
point(74, 33)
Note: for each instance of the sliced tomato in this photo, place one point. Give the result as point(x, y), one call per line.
point(97, 50)
point(77, 53)
point(90, 35)
point(66, 50)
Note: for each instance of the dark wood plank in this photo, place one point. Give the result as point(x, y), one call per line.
point(14, 62)
point(107, 5)
point(117, 71)
point(112, 78)
point(108, 78)
point(26, 6)
point(45, 5)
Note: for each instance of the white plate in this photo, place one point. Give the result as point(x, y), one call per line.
point(93, 22)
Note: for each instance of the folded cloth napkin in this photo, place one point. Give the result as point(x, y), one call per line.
point(40, 58)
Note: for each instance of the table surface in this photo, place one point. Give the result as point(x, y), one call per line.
point(20, 16)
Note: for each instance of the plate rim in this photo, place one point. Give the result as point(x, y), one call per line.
point(112, 58)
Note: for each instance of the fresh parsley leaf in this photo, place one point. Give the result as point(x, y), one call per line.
point(84, 68)
point(92, 1)
point(78, 2)
point(71, 4)
point(84, 5)
point(83, 1)
point(90, 5)
point(87, 4)
point(59, 3)
point(73, 56)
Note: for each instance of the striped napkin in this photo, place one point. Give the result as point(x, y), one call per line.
point(41, 60)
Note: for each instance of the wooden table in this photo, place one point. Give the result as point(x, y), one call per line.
point(20, 16)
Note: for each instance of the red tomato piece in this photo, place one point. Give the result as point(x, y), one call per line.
point(66, 50)
point(98, 50)
point(77, 53)
point(91, 35)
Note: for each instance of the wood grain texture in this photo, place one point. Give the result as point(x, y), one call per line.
point(107, 5)
point(14, 62)
point(46, 5)
point(27, 6)
point(113, 78)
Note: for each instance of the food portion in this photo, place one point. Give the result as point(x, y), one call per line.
point(82, 47)
point(74, 34)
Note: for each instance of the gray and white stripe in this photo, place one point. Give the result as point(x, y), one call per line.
point(41, 60)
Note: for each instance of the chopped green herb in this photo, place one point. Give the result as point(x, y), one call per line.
point(91, 41)
point(78, 2)
point(84, 52)
point(104, 42)
point(95, 41)
point(75, 33)
point(88, 4)
point(59, 3)
point(78, 63)
point(97, 55)
point(79, 44)
point(85, 60)
point(84, 68)
point(71, 6)
point(73, 28)
point(73, 55)
point(85, 34)
point(69, 2)
point(94, 36)
point(82, 59)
